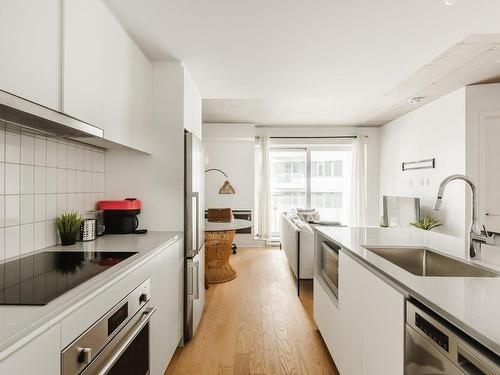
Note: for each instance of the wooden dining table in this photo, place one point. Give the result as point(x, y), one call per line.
point(219, 238)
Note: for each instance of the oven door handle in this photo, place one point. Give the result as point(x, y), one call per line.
point(146, 315)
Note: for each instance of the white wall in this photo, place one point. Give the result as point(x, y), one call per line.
point(436, 130)
point(231, 148)
point(372, 143)
point(157, 179)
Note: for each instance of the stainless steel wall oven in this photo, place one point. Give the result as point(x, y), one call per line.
point(118, 343)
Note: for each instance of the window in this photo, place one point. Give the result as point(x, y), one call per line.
point(288, 182)
point(325, 185)
point(337, 168)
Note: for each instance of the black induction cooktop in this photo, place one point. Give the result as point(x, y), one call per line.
point(39, 278)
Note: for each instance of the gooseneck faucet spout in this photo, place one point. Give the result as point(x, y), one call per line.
point(476, 237)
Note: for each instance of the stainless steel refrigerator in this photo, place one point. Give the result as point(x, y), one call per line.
point(194, 234)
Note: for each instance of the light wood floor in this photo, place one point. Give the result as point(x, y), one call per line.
point(255, 324)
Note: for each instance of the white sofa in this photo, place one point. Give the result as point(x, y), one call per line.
point(297, 242)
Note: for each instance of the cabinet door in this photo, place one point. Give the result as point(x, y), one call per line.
point(489, 182)
point(30, 41)
point(351, 294)
point(326, 316)
point(167, 288)
point(383, 327)
point(40, 356)
point(108, 81)
point(371, 320)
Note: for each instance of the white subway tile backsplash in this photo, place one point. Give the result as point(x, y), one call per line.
point(61, 204)
point(71, 181)
point(40, 157)
point(2, 244)
point(40, 207)
point(12, 242)
point(2, 178)
point(27, 238)
point(12, 147)
point(51, 206)
point(71, 157)
point(101, 162)
point(88, 182)
point(95, 161)
point(27, 149)
point(101, 179)
point(27, 175)
point(51, 153)
point(62, 155)
point(40, 235)
point(2, 211)
point(27, 209)
point(73, 203)
point(12, 210)
point(40, 178)
point(80, 181)
point(80, 159)
point(51, 233)
point(61, 180)
point(51, 180)
point(88, 160)
point(12, 178)
point(2, 142)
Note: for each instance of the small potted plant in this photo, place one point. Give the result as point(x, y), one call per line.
point(68, 225)
point(427, 223)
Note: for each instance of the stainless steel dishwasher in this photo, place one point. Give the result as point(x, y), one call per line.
point(435, 347)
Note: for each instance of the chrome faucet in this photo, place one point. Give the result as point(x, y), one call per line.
point(477, 237)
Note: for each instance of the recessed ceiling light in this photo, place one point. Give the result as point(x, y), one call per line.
point(415, 100)
point(451, 2)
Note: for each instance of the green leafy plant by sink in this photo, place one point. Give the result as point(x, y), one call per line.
point(427, 223)
point(68, 225)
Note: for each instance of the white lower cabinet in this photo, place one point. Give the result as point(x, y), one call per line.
point(167, 295)
point(326, 316)
point(383, 327)
point(351, 294)
point(364, 329)
point(40, 356)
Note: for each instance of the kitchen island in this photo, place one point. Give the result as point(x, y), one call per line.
point(381, 288)
point(159, 256)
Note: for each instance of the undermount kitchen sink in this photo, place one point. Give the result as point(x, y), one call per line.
point(424, 262)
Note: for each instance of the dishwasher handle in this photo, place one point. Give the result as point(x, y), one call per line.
point(473, 362)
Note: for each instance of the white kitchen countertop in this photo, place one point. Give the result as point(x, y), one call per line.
point(20, 324)
point(472, 304)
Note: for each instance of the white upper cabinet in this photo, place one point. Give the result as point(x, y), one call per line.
point(107, 80)
point(30, 45)
point(192, 106)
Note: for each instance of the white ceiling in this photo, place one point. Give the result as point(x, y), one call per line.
point(304, 61)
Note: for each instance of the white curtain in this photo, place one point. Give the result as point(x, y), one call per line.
point(264, 202)
point(358, 186)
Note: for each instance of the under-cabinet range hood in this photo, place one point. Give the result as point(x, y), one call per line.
point(25, 113)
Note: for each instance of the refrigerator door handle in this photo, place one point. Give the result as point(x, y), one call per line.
point(193, 290)
point(195, 230)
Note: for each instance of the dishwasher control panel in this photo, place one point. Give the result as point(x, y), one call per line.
point(434, 333)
